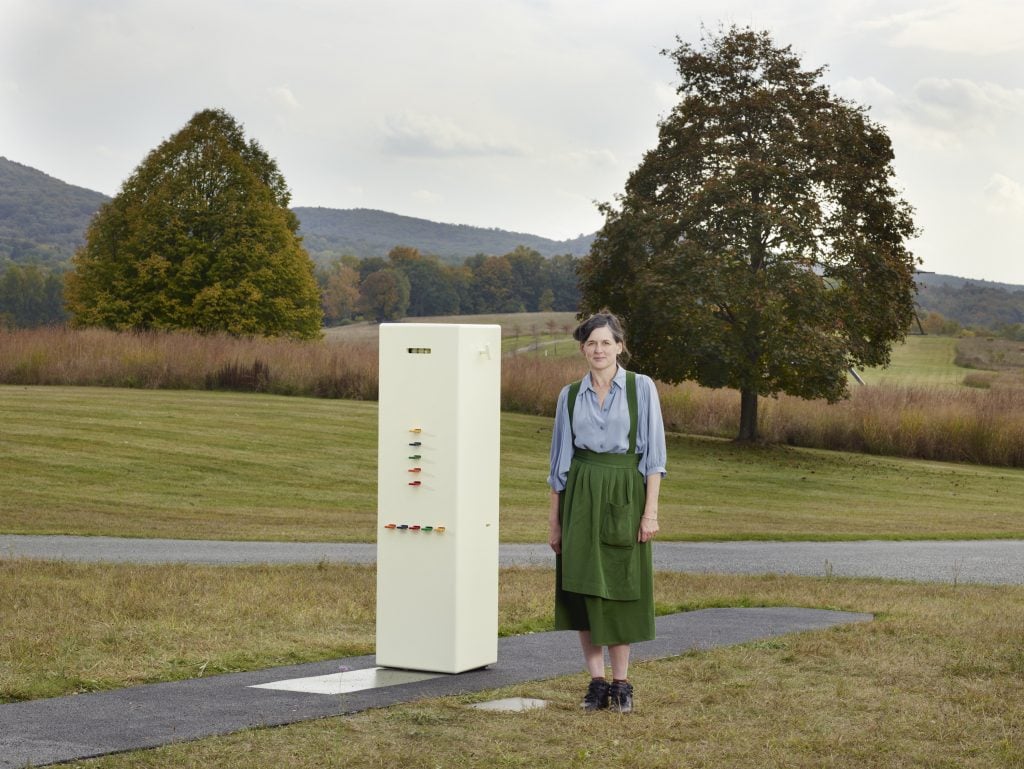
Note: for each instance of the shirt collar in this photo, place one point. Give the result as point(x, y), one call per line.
point(619, 380)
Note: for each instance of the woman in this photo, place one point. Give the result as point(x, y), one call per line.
point(607, 460)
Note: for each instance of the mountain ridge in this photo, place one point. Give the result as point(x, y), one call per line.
point(330, 230)
point(43, 220)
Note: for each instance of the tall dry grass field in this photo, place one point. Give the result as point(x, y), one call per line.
point(982, 424)
point(187, 361)
point(955, 424)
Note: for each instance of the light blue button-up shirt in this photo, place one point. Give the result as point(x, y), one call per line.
point(605, 428)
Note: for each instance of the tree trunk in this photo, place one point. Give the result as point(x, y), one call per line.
point(748, 415)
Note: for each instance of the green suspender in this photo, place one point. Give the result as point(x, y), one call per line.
point(574, 391)
point(631, 404)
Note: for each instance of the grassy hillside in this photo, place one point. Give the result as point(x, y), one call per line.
point(249, 466)
point(921, 361)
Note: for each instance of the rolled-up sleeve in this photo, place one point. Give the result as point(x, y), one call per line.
point(561, 444)
point(650, 433)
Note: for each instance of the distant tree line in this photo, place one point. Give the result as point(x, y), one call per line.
point(31, 295)
point(981, 309)
point(408, 283)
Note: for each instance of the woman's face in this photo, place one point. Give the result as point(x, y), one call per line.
point(601, 350)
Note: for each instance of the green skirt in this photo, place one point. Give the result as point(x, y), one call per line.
point(604, 578)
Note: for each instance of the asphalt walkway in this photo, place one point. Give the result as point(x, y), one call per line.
point(41, 732)
point(975, 561)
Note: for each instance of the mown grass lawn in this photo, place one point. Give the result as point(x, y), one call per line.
point(202, 465)
point(933, 681)
point(921, 361)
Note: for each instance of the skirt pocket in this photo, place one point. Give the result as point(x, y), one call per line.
point(618, 528)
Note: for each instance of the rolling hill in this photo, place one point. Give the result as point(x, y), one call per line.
point(43, 220)
point(933, 280)
point(366, 232)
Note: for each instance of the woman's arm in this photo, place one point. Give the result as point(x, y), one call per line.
point(561, 443)
point(650, 436)
point(649, 520)
point(554, 526)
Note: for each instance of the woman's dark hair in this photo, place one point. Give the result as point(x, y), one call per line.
point(598, 320)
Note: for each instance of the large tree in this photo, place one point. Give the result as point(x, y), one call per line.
point(200, 237)
point(761, 244)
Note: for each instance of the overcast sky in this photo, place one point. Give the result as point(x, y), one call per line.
point(517, 114)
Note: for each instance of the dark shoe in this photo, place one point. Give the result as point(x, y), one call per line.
point(621, 696)
point(597, 695)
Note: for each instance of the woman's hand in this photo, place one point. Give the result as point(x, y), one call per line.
point(554, 523)
point(555, 538)
point(649, 521)
point(648, 528)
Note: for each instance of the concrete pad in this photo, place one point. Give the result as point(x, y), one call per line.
point(349, 681)
point(40, 732)
point(511, 705)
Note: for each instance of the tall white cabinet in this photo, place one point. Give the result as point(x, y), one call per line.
point(437, 498)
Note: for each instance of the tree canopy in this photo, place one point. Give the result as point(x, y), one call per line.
point(199, 237)
point(761, 244)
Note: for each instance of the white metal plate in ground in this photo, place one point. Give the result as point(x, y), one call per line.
point(511, 704)
point(349, 681)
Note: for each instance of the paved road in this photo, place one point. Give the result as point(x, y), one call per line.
point(982, 561)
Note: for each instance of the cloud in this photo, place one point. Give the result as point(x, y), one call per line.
point(419, 135)
point(284, 97)
point(939, 113)
point(959, 101)
point(868, 92)
point(961, 26)
point(602, 158)
point(427, 196)
point(1004, 195)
